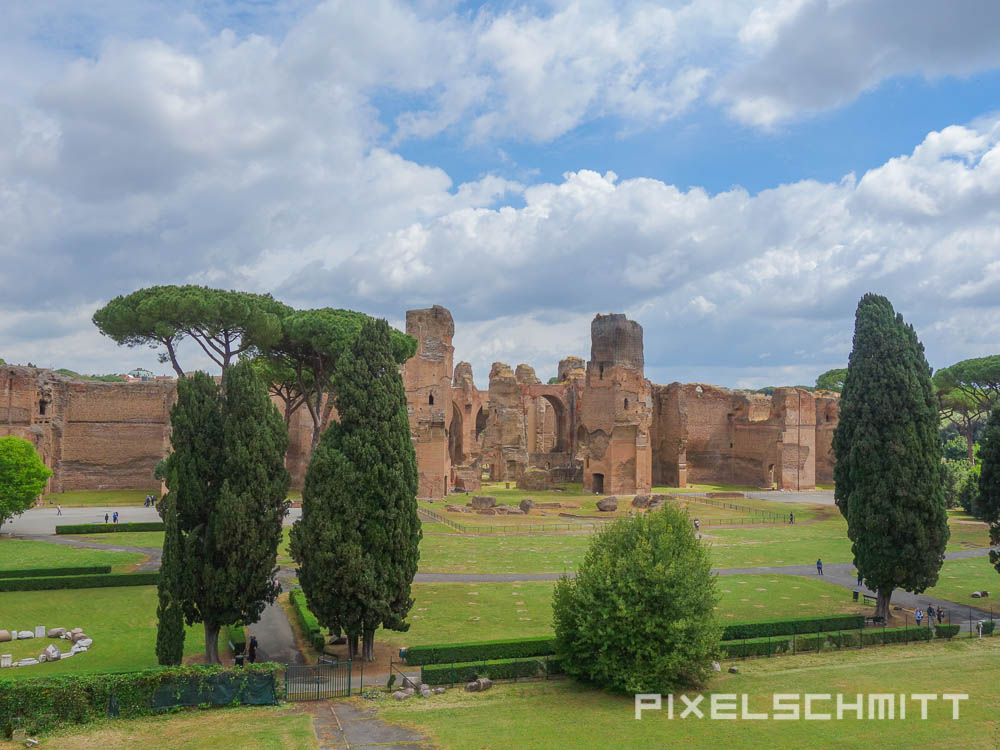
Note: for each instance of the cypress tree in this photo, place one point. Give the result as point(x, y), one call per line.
point(988, 505)
point(228, 481)
point(170, 593)
point(357, 541)
point(889, 483)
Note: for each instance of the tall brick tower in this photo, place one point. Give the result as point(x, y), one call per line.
point(617, 409)
point(427, 378)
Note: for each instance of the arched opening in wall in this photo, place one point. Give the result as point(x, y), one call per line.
point(560, 440)
point(770, 476)
point(597, 483)
point(600, 373)
point(430, 399)
point(480, 422)
point(456, 434)
point(42, 406)
point(626, 404)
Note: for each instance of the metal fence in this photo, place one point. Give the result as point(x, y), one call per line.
point(757, 515)
point(311, 682)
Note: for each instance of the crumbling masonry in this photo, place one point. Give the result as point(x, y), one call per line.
point(603, 424)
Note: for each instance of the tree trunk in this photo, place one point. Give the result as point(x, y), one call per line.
point(970, 443)
point(368, 645)
point(352, 646)
point(317, 416)
point(212, 644)
point(882, 604)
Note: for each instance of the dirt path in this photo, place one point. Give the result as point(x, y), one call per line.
point(350, 725)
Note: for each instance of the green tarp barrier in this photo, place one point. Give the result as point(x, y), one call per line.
point(218, 690)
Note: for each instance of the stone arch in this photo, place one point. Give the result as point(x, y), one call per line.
point(456, 435)
point(561, 444)
point(480, 422)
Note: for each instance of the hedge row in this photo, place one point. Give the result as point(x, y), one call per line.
point(497, 669)
point(988, 627)
point(739, 630)
point(42, 704)
point(817, 641)
point(110, 528)
point(80, 570)
point(946, 631)
point(512, 648)
point(79, 582)
point(310, 625)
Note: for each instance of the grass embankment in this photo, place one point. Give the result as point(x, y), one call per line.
point(21, 553)
point(123, 539)
point(99, 498)
point(459, 612)
point(548, 714)
point(122, 622)
point(215, 729)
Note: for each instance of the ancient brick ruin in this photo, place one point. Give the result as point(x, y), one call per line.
point(603, 424)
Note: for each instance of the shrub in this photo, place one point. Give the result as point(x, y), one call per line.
point(45, 703)
point(496, 669)
point(512, 648)
point(756, 647)
point(791, 626)
point(945, 631)
point(639, 616)
point(988, 627)
point(80, 570)
point(79, 582)
point(817, 641)
point(310, 625)
point(237, 637)
point(110, 528)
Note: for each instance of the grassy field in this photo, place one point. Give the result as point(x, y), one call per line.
point(122, 622)
point(959, 578)
point(566, 714)
point(455, 612)
point(215, 729)
point(123, 538)
point(21, 553)
point(89, 498)
point(534, 553)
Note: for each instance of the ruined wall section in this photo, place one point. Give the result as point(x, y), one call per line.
point(613, 437)
point(427, 378)
point(827, 417)
point(505, 438)
point(466, 430)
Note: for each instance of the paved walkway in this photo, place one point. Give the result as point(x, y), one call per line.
point(349, 724)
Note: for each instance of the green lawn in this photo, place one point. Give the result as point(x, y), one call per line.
point(215, 729)
point(123, 538)
point(959, 578)
point(456, 612)
point(564, 713)
point(122, 622)
point(21, 553)
point(534, 553)
point(110, 498)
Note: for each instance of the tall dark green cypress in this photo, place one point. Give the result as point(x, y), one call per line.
point(228, 479)
point(357, 541)
point(889, 483)
point(989, 481)
point(170, 593)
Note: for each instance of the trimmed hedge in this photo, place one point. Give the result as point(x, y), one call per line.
point(79, 582)
point(496, 669)
point(511, 648)
point(80, 570)
point(110, 528)
point(988, 627)
point(946, 631)
point(740, 630)
point(46, 703)
point(310, 625)
point(818, 641)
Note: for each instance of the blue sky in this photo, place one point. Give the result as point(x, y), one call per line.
point(734, 174)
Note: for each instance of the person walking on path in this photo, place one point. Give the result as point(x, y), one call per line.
point(252, 649)
point(791, 517)
point(115, 517)
point(697, 524)
point(105, 518)
point(930, 615)
point(918, 615)
point(860, 579)
point(819, 567)
point(940, 615)
point(58, 510)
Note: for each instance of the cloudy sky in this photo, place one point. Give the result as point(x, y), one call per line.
point(733, 174)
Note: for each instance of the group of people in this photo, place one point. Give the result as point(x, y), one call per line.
point(918, 615)
point(150, 502)
point(113, 517)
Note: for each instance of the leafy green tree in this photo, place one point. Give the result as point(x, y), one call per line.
point(170, 592)
point(308, 350)
point(357, 541)
point(223, 323)
point(967, 390)
point(889, 482)
point(968, 492)
point(554, 380)
point(989, 482)
point(639, 616)
point(22, 476)
point(956, 474)
point(228, 480)
point(831, 380)
point(283, 383)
